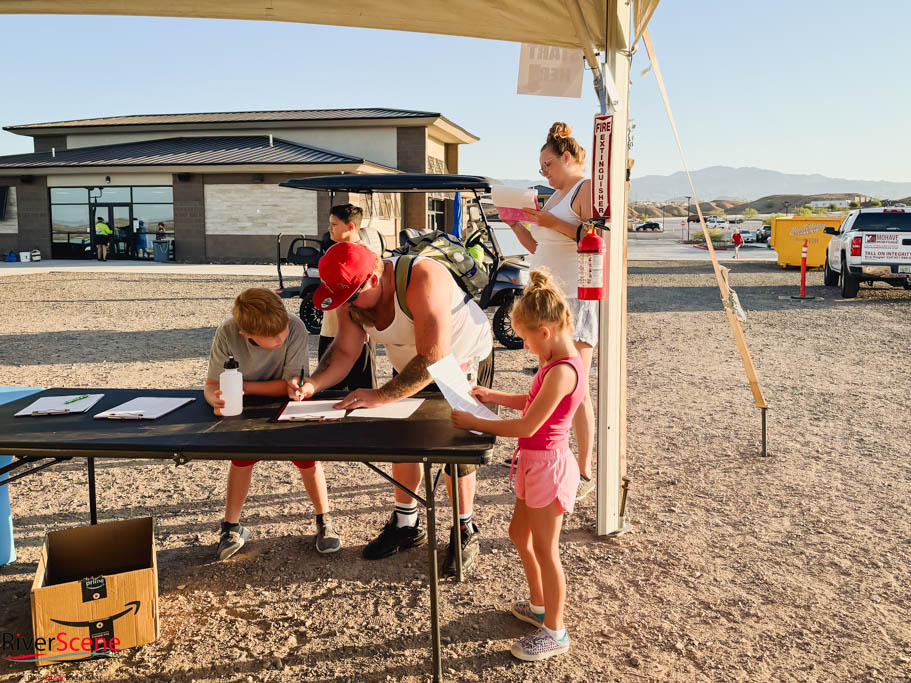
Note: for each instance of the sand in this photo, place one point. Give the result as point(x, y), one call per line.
point(791, 567)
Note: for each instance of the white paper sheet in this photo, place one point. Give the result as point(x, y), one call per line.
point(144, 408)
point(513, 197)
point(456, 390)
point(60, 405)
point(310, 410)
point(400, 410)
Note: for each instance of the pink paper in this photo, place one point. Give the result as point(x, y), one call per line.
point(507, 214)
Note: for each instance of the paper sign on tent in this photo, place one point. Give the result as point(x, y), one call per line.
point(549, 70)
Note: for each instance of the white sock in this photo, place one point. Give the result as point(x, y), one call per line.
point(537, 609)
point(556, 635)
point(406, 515)
point(465, 520)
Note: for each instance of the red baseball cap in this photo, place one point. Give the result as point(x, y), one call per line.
point(343, 269)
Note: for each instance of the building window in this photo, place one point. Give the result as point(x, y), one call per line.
point(436, 214)
point(74, 211)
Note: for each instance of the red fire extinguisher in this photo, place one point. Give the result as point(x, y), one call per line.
point(593, 267)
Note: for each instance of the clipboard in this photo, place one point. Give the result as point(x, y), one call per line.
point(144, 408)
point(60, 405)
point(309, 411)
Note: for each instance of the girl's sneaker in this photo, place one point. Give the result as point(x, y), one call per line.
point(539, 645)
point(521, 609)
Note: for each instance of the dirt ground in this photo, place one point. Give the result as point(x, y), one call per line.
point(738, 568)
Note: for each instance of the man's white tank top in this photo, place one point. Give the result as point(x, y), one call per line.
point(471, 335)
point(556, 251)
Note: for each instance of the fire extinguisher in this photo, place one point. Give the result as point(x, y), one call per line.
point(593, 267)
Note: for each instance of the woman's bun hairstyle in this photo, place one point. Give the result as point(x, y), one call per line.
point(542, 303)
point(560, 140)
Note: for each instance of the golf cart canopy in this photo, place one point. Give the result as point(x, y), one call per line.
point(368, 183)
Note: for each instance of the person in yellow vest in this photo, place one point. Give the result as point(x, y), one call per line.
point(102, 238)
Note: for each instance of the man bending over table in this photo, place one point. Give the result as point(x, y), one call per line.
point(270, 346)
point(444, 320)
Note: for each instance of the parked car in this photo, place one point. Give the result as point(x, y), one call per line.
point(748, 236)
point(870, 245)
point(735, 219)
point(764, 233)
point(648, 225)
point(692, 219)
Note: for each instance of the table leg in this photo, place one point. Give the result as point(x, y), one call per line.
point(434, 579)
point(93, 512)
point(456, 522)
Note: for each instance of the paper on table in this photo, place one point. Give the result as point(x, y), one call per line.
point(144, 408)
point(400, 410)
point(58, 405)
point(310, 410)
point(456, 390)
point(511, 200)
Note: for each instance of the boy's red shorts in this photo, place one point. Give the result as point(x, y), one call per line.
point(299, 464)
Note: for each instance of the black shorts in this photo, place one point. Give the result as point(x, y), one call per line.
point(485, 379)
point(363, 372)
point(102, 240)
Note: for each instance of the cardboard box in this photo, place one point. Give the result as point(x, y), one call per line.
point(95, 591)
point(25, 256)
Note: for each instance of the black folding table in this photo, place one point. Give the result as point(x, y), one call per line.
point(193, 432)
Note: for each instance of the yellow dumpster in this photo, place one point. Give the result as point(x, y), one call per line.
point(788, 235)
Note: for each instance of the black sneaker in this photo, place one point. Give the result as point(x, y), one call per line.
point(327, 539)
point(471, 548)
point(232, 539)
point(394, 538)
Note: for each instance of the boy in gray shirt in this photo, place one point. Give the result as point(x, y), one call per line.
point(270, 346)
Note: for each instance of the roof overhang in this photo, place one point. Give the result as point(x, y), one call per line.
point(366, 167)
point(402, 182)
point(441, 127)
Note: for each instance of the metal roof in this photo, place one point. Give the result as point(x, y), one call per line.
point(232, 117)
point(366, 183)
point(191, 151)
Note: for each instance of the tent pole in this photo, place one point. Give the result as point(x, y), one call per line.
point(611, 341)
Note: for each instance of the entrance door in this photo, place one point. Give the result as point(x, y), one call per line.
point(118, 218)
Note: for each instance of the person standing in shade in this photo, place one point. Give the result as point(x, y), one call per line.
point(142, 240)
point(102, 238)
point(435, 318)
point(552, 240)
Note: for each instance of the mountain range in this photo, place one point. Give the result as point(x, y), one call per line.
point(746, 184)
point(749, 183)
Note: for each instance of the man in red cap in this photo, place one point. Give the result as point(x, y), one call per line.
point(443, 320)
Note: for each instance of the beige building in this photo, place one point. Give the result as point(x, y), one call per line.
point(212, 179)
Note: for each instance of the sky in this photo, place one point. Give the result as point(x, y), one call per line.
point(796, 87)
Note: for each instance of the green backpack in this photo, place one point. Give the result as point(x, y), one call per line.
point(445, 249)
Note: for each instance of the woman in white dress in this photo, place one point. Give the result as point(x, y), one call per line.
point(551, 238)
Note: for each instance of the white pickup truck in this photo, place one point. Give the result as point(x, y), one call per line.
point(870, 245)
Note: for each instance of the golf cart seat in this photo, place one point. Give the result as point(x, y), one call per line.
point(304, 251)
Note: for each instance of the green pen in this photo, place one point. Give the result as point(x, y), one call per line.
point(73, 400)
point(301, 383)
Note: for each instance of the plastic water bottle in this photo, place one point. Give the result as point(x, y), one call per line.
point(231, 384)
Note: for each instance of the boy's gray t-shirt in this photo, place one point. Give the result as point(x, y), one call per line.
point(256, 363)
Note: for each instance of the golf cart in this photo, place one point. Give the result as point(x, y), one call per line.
point(501, 258)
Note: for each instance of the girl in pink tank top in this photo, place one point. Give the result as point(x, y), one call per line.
point(546, 475)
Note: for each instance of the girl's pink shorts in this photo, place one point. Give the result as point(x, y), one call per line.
point(545, 476)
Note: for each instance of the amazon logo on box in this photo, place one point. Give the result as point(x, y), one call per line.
point(95, 591)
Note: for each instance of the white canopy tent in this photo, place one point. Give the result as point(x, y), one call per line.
point(608, 27)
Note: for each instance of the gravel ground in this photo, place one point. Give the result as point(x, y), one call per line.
point(738, 567)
